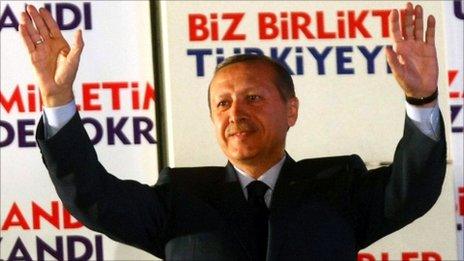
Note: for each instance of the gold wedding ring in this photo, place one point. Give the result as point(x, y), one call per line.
point(40, 41)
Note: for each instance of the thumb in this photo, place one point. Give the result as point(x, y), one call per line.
point(392, 59)
point(76, 49)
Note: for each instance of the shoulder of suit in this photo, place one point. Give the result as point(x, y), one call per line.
point(329, 166)
point(190, 176)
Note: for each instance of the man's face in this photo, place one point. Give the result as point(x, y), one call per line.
point(251, 118)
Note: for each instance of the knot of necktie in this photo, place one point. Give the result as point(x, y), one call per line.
point(257, 189)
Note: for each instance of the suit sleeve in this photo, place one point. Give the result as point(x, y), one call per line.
point(124, 210)
point(389, 198)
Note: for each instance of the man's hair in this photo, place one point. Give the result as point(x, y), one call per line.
point(284, 80)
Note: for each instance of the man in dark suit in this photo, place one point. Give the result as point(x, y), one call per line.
point(263, 205)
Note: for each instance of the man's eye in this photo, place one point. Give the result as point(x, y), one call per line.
point(222, 104)
point(254, 97)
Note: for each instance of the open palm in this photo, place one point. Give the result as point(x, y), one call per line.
point(414, 64)
point(55, 63)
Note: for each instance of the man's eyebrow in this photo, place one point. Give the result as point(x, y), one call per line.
point(258, 89)
point(220, 96)
point(254, 89)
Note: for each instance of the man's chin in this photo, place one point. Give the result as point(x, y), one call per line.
point(242, 156)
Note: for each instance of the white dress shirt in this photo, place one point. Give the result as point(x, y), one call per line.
point(426, 119)
point(269, 178)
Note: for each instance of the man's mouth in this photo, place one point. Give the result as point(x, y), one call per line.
point(241, 130)
point(240, 134)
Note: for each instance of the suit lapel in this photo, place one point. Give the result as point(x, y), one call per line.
point(233, 206)
point(284, 204)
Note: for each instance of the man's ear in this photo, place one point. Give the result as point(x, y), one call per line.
point(292, 111)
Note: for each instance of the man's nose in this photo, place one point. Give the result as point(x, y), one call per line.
point(237, 112)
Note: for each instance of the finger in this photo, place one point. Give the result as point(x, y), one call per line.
point(25, 22)
point(430, 32)
point(395, 26)
point(403, 22)
point(418, 23)
point(76, 49)
point(39, 22)
point(26, 38)
point(33, 33)
point(55, 31)
point(392, 59)
point(408, 25)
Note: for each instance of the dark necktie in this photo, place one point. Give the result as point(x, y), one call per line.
point(260, 215)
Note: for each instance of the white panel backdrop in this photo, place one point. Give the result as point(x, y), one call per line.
point(118, 55)
point(346, 105)
point(359, 112)
point(454, 31)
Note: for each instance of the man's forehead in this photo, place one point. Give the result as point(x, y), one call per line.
point(252, 71)
point(242, 90)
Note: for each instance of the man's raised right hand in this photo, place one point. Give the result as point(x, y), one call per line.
point(54, 61)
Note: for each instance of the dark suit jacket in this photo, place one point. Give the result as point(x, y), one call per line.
point(321, 209)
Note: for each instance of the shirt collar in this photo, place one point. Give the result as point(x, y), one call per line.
point(269, 177)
